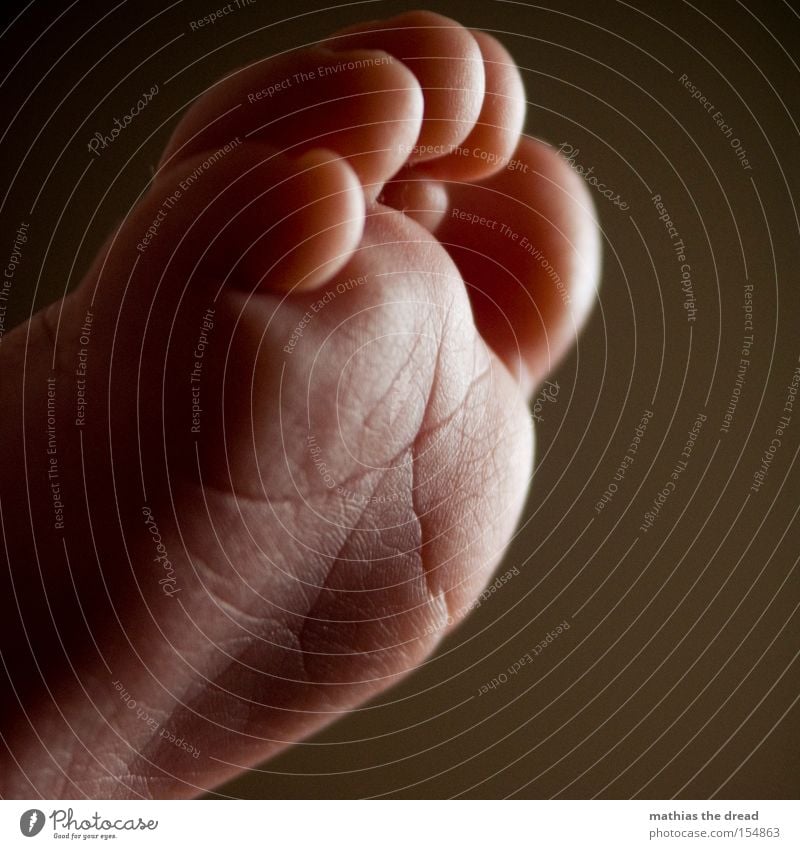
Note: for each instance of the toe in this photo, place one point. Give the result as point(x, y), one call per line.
point(496, 133)
point(249, 217)
point(362, 104)
point(420, 188)
point(424, 200)
point(445, 59)
point(526, 241)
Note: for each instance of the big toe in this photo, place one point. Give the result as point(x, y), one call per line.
point(527, 243)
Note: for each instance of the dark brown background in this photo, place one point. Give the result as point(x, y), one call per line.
point(679, 673)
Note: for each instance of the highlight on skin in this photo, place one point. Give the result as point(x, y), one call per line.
point(306, 440)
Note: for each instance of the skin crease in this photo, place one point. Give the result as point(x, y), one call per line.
point(357, 473)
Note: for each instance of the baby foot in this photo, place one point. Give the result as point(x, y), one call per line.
point(284, 414)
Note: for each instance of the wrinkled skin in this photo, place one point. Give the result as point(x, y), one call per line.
point(363, 447)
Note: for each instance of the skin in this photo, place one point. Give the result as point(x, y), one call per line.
point(356, 475)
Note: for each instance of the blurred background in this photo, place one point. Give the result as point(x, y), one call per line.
point(678, 672)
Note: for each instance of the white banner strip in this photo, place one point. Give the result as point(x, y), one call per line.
point(404, 824)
